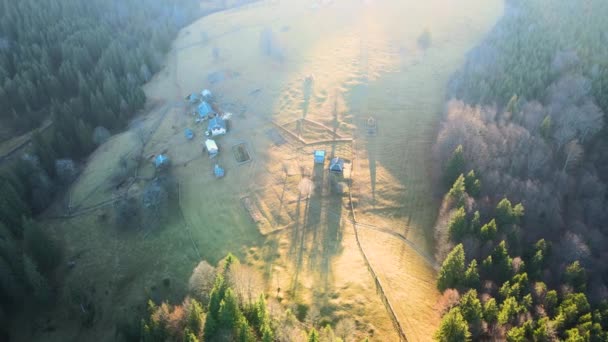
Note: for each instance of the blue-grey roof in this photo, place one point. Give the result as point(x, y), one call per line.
point(319, 156)
point(193, 98)
point(336, 164)
point(160, 160)
point(219, 172)
point(217, 122)
point(188, 133)
point(204, 109)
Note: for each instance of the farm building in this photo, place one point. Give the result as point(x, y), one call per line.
point(161, 160)
point(204, 110)
point(319, 156)
point(218, 171)
point(188, 133)
point(336, 165)
point(211, 147)
point(217, 126)
point(193, 98)
point(206, 94)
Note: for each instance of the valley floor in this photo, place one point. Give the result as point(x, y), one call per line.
point(349, 247)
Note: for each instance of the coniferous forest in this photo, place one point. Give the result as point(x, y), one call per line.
point(523, 147)
point(80, 65)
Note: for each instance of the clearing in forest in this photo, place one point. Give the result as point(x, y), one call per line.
point(310, 85)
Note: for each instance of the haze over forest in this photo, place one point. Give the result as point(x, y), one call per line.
point(399, 170)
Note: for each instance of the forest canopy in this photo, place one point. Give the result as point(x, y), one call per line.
point(523, 146)
point(79, 65)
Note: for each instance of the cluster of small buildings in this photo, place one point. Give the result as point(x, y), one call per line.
point(216, 124)
point(336, 164)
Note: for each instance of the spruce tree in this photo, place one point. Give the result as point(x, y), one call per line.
point(453, 327)
point(313, 336)
point(458, 225)
point(195, 317)
point(472, 184)
point(576, 276)
point(471, 275)
point(471, 310)
point(451, 274)
point(455, 166)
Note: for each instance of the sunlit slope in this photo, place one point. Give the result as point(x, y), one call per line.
point(363, 59)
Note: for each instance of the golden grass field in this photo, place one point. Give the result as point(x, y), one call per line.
point(365, 61)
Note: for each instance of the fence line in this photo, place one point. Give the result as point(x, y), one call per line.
point(379, 287)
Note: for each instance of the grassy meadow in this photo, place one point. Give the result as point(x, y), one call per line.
point(336, 64)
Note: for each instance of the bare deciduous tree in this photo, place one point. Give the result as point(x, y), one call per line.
point(573, 153)
point(345, 329)
point(247, 282)
point(201, 282)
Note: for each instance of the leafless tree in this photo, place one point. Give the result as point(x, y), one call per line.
point(448, 300)
point(201, 282)
point(573, 153)
point(247, 282)
point(345, 329)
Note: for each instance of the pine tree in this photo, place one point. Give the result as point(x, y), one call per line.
point(550, 302)
point(472, 184)
point(508, 311)
point(195, 317)
point(189, 336)
point(453, 327)
point(576, 276)
point(452, 270)
point(502, 263)
point(490, 311)
point(458, 225)
point(488, 231)
point(507, 214)
point(243, 331)
point(216, 297)
point(475, 222)
point(313, 336)
point(457, 192)
point(471, 310)
point(229, 313)
point(471, 275)
point(210, 328)
point(455, 166)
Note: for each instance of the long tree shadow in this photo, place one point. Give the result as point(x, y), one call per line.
point(307, 90)
point(371, 158)
point(332, 232)
point(295, 249)
point(313, 218)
